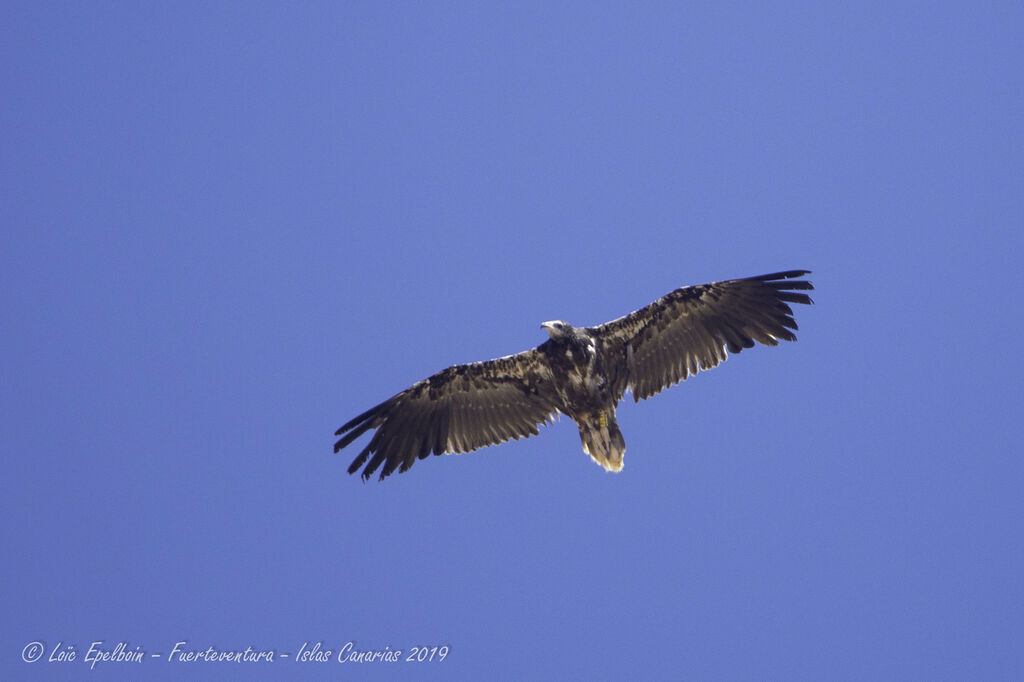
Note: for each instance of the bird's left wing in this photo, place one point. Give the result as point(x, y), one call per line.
point(459, 409)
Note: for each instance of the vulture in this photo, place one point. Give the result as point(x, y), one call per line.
point(581, 372)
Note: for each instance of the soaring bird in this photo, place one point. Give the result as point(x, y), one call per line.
point(581, 372)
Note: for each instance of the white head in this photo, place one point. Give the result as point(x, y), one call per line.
point(557, 329)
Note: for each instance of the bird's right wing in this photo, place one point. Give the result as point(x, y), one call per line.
point(689, 329)
point(459, 409)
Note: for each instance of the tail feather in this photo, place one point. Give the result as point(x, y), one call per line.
point(602, 439)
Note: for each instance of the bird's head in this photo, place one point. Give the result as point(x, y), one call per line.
point(558, 329)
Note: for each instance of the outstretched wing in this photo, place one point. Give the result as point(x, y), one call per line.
point(690, 329)
point(459, 409)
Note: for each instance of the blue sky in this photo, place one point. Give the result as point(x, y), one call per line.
point(231, 227)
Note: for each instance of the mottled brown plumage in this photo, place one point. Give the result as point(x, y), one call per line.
point(582, 373)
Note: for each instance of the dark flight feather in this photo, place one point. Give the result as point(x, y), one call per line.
point(459, 409)
point(667, 340)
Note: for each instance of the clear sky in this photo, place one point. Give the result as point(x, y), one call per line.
point(230, 227)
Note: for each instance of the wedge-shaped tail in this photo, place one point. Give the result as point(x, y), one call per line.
point(602, 439)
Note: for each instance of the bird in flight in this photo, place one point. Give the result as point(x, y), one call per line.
point(581, 372)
